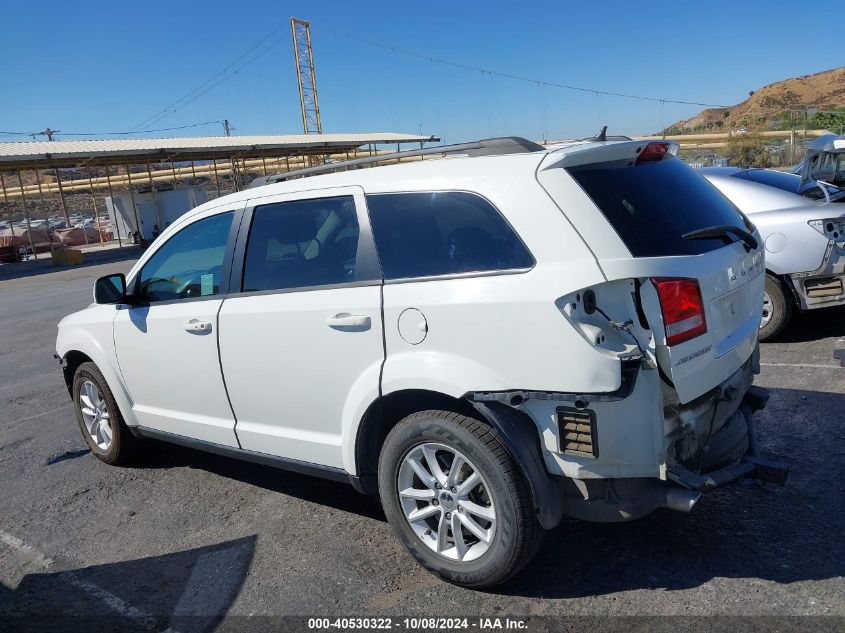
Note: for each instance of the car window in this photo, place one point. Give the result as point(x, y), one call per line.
point(438, 233)
point(653, 204)
point(301, 243)
point(189, 264)
point(779, 179)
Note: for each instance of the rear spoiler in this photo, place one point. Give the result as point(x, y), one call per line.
point(603, 152)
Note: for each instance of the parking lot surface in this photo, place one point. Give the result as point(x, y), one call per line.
point(189, 533)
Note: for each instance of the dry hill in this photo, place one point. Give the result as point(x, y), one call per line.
point(824, 91)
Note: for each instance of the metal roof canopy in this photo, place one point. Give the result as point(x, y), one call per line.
point(49, 154)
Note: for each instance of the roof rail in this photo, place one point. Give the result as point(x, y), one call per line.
point(485, 147)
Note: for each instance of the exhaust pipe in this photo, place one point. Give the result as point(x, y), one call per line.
point(681, 500)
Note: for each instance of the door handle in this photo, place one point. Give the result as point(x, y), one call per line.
point(346, 320)
point(195, 325)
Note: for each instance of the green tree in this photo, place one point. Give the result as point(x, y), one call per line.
point(833, 121)
point(748, 150)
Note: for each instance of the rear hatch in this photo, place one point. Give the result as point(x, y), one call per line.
point(646, 215)
point(825, 161)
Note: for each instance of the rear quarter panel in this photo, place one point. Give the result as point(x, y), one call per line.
point(491, 332)
point(792, 245)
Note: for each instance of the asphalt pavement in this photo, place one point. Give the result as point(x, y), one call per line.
point(185, 533)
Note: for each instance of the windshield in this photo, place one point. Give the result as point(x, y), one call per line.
point(651, 205)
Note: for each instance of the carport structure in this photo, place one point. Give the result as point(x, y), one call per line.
point(61, 168)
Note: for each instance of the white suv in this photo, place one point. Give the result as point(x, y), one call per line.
point(488, 342)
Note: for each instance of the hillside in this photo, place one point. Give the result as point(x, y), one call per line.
point(769, 105)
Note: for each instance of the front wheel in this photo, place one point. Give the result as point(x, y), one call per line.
point(99, 419)
point(777, 308)
point(456, 499)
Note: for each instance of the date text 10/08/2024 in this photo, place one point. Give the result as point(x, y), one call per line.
point(423, 623)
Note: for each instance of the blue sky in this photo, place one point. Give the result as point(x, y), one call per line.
point(107, 66)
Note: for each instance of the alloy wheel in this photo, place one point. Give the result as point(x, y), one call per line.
point(95, 414)
point(446, 501)
point(767, 309)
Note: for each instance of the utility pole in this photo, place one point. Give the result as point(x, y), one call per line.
point(227, 129)
point(47, 132)
point(304, 58)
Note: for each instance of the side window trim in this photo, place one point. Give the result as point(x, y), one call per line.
point(367, 267)
point(498, 272)
point(228, 254)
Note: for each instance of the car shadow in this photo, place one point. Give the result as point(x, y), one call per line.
point(752, 530)
point(138, 316)
point(189, 591)
point(813, 325)
point(338, 495)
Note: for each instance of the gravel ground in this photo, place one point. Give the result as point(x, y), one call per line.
point(193, 534)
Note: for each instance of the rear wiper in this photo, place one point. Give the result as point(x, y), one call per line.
point(724, 233)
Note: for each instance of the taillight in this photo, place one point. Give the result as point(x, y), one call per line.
point(682, 307)
point(652, 152)
point(832, 229)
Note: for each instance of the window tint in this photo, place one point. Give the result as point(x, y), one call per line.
point(301, 243)
point(190, 263)
point(651, 205)
point(438, 233)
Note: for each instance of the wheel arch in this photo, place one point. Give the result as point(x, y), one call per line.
point(515, 429)
point(786, 281)
point(70, 363)
point(383, 414)
point(75, 347)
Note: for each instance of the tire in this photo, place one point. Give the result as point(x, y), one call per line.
point(727, 446)
point(513, 535)
point(122, 445)
point(779, 304)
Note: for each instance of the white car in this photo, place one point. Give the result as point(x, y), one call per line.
point(488, 342)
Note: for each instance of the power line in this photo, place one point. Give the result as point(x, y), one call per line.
point(223, 74)
point(239, 63)
point(222, 79)
point(539, 82)
point(164, 129)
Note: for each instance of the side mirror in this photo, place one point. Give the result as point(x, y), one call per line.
point(110, 289)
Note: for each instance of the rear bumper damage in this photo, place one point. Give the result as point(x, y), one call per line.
point(610, 500)
point(750, 466)
point(633, 453)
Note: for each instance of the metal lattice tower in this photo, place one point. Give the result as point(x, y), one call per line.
point(301, 33)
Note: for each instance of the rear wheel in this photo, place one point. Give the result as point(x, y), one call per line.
point(777, 308)
point(456, 499)
point(99, 419)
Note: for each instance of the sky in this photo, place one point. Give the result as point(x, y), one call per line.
point(96, 67)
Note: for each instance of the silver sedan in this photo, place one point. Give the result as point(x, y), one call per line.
point(805, 246)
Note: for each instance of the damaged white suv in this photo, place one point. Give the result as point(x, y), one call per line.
point(488, 342)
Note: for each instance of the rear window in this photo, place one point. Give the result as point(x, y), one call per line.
point(653, 204)
point(778, 179)
point(441, 233)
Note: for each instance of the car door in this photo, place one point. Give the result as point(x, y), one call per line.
point(166, 341)
point(305, 330)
